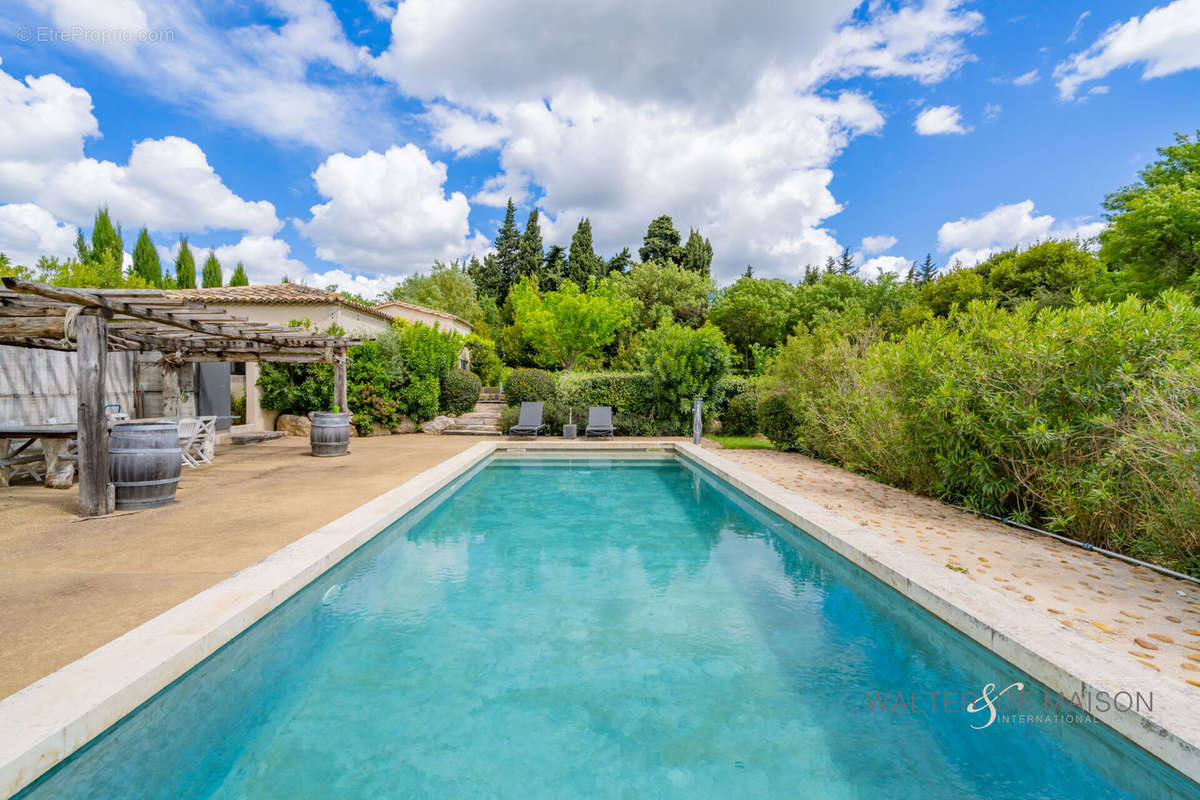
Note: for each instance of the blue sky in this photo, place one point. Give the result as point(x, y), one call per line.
point(354, 143)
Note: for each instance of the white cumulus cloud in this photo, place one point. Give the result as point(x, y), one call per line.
point(975, 239)
point(877, 244)
point(873, 268)
point(1026, 79)
point(388, 212)
point(1165, 40)
point(937, 120)
point(28, 232)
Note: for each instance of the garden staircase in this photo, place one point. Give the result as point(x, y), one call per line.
point(483, 420)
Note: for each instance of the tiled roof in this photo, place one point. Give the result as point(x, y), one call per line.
point(415, 307)
point(276, 294)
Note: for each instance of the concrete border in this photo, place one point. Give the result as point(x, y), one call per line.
point(46, 722)
point(1062, 661)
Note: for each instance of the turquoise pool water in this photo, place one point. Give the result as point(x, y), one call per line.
point(593, 630)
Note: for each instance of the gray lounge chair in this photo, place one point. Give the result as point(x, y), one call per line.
point(530, 421)
point(599, 422)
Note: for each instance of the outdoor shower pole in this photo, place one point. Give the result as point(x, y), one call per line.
point(697, 420)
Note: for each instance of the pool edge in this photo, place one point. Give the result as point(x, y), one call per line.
point(1033, 644)
point(44, 723)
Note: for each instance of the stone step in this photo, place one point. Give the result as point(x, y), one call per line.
point(472, 432)
point(250, 437)
point(490, 401)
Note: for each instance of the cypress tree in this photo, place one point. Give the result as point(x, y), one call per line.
point(185, 267)
point(530, 255)
point(145, 260)
point(239, 276)
point(831, 265)
point(661, 242)
point(583, 262)
point(554, 271)
point(749, 273)
point(697, 254)
point(210, 278)
point(106, 238)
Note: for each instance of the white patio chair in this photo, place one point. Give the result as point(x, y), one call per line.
point(191, 442)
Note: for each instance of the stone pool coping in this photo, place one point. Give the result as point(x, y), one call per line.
point(49, 720)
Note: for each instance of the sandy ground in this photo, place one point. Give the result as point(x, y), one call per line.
point(1140, 614)
point(69, 586)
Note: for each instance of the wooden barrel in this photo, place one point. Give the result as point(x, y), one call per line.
point(330, 434)
point(143, 463)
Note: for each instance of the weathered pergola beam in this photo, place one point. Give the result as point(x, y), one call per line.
point(32, 311)
point(141, 311)
point(38, 344)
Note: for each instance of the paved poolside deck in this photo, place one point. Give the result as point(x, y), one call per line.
point(67, 587)
point(1142, 616)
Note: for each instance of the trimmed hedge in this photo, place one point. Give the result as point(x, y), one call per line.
point(460, 391)
point(528, 385)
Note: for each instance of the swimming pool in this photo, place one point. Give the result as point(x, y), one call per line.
point(598, 628)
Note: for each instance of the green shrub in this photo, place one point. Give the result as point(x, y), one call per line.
point(484, 361)
point(683, 363)
point(778, 421)
point(1082, 420)
point(460, 391)
point(728, 388)
point(525, 385)
point(296, 388)
point(629, 394)
point(741, 415)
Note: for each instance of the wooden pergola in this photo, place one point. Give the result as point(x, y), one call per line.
point(92, 322)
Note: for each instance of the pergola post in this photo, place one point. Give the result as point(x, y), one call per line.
point(91, 337)
point(170, 388)
point(339, 380)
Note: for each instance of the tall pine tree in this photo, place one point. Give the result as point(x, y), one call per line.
point(622, 262)
point(239, 276)
point(530, 253)
point(661, 242)
point(185, 267)
point(583, 263)
point(846, 262)
point(210, 278)
point(145, 260)
point(508, 250)
point(697, 254)
point(927, 271)
point(486, 277)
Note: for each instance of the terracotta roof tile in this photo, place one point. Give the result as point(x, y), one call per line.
point(274, 294)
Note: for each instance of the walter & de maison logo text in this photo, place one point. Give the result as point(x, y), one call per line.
point(1014, 703)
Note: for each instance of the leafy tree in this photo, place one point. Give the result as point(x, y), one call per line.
point(956, 288)
point(755, 311)
point(683, 363)
point(567, 325)
point(662, 293)
point(530, 252)
point(9, 269)
point(185, 266)
point(1047, 273)
point(697, 254)
point(583, 263)
point(447, 287)
point(145, 260)
point(1153, 234)
point(210, 277)
point(661, 242)
point(239, 276)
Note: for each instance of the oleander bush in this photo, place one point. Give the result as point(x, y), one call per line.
point(460, 391)
point(528, 385)
point(740, 417)
point(1084, 419)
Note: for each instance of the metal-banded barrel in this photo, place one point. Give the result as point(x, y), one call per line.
point(144, 463)
point(330, 434)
